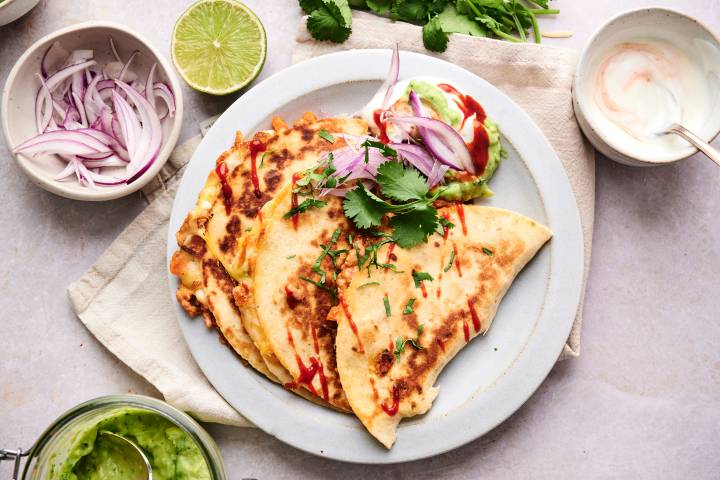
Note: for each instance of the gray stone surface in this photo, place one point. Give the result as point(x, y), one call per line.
point(643, 400)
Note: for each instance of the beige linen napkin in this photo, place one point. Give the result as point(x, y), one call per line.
point(123, 299)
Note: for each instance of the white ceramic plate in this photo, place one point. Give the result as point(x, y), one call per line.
point(495, 374)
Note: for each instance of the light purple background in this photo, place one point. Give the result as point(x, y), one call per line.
point(642, 401)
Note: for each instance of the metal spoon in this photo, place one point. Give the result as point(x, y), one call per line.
point(133, 454)
point(673, 126)
point(698, 142)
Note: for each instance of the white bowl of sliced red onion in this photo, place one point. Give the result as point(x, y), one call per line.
point(92, 111)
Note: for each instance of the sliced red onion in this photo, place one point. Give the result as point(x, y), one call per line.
point(44, 68)
point(415, 155)
point(128, 122)
point(124, 70)
point(437, 174)
point(114, 50)
point(93, 145)
point(445, 143)
point(392, 77)
point(81, 109)
point(42, 118)
point(151, 132)
point(163, 91)
point(66, 72)
point(149, 87)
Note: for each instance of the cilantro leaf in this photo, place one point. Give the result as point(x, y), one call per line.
point(325, 135)
point(386, 301)
point(332, 21)
point(401, 183)
point(380, 7)
point(357, 4)
point(305, 205)
point(400, 343)
point(409, 307)
point(413, 227)
point(310, 6)
point(410, 10)
point(453, 22)
point(420, 277)
point(488, 252)
point(450, 262)
point(365, 209)
point(434, 38)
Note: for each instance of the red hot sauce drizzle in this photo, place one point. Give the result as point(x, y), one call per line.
point(424, 290)
point(393, 409)
point(307, 374)
point(466, 330)
point(457, 260)
point(476, 321)
point(446, 229)
point(353, 327)
point(390, 253)
point(382, 125)
point(256, 146)
point(294, 200)
point(292, 300)
point(461, 214)
point(315, 339)
point(469, 106)
point(222, 171)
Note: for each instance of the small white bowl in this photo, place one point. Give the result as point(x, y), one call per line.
point(11, 10)
point(634, 25)
point(18, 103)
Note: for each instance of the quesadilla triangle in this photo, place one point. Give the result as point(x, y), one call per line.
point(291, 287)
point(207, 289)
point(398, 327)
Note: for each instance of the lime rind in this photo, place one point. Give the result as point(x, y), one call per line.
point(214, 48)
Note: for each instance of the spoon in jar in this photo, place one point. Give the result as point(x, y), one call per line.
point(136, 464)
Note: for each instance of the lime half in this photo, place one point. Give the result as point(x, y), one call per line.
point(218, 46)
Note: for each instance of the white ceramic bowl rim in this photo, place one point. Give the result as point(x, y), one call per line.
point(106, 193)
point(582, 66)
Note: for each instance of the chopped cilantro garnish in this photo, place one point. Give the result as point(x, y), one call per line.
point(400, 343)
point(420, 276)
point(444, 222)
point(412, 221)
point(386, 301)
point(290, 256)
point(409, 307)
point(325, 135)
point(384, 149)
point(307, 204)
point(488, 252)
point(450, 262)
point(368, 284)
point(248, 229)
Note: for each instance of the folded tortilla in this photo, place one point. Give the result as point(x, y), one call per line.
point(387, 377)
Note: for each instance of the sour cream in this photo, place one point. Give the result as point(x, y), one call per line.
point(639, 87)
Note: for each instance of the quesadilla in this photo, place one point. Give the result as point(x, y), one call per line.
point(398, 327)
point(291, 287)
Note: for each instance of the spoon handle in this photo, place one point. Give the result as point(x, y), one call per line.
point(699, 143)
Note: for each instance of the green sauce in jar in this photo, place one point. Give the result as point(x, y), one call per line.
point(172, 453)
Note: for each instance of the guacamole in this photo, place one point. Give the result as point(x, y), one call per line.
point(172, 453)
point(461, 186)
point(437, 100)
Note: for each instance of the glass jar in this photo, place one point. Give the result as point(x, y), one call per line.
point(50, 450)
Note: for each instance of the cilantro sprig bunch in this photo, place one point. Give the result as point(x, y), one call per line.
point(410, 211)
point(505, 19)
